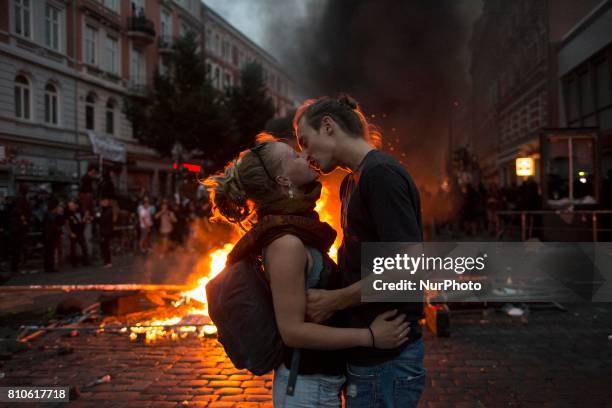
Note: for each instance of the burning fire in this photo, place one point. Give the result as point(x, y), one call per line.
point(215, 265)
point(326, 214)
point(210, 265)
point(171, 327)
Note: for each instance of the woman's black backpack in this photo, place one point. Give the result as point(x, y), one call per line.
point(240, 300)
point(240, 305)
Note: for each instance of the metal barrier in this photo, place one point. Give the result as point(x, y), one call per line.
point(504, 222)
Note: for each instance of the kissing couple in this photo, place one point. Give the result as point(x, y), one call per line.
point(332, 343)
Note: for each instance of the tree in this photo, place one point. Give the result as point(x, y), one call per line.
point(183, 107)
point(249, 104)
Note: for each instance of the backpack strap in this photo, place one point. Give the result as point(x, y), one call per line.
point(296, 353)
point(295, 356)
point(293, 373)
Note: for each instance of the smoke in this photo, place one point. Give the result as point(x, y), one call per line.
point(406, 62)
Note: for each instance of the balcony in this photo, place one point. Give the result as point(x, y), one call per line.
point(141, 30)
point(165, 44)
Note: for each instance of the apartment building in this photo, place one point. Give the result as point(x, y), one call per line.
point(65, 67)
point(227, 50)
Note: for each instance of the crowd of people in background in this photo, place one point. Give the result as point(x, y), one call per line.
point(97, 218)
point(166, 224)
point(90, 223)
point(471, 209)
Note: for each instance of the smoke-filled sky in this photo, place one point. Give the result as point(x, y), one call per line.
point(405, 61)
point(254, 17)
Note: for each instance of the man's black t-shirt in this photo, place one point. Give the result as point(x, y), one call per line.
point(380, 203)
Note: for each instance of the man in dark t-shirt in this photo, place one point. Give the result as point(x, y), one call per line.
point(380, 203)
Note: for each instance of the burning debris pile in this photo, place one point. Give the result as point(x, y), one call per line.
point(177, 315)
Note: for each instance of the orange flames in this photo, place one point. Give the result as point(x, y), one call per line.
point(328, 207)
point(211, 264)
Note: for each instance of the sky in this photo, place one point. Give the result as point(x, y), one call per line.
point(255, 17)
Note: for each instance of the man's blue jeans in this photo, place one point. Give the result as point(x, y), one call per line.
point(395, 383)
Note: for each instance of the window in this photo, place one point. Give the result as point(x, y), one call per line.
point(22, 18)
point(22, 97)
point(111, 4)
point(225, 51)
point(90, 111)
point(51, 104)
point(138, 6)
point(91, 42)
point(164, 68)
point(110, 116)
point(586, 94)
point(208, 39)
point(112, 55)
point(235, 55)
point(166, 25)
point(184, 29)
point(572, 100)
point(570, 175)
point(216, 78)
point(52, 27)
point(137, 65)
point(604, 85)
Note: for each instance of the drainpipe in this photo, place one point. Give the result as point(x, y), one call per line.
point(76, 86)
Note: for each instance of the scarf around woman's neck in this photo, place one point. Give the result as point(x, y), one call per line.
point(295, 216)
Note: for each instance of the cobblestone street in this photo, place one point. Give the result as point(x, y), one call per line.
point(555, 359)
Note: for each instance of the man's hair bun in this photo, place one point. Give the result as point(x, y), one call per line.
point(345, 99)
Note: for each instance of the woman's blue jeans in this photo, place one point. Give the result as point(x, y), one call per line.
point(316, 390)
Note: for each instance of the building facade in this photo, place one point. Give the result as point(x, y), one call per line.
point(65, 67)
point(515, 87)
point(584, 62)
point(227, 50)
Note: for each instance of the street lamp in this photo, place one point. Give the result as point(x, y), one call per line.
point(177, 154)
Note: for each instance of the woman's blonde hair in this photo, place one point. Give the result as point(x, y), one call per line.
point(247, 183)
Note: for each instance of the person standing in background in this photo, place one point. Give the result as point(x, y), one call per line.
point(167, 219)
point(86, 190)
point(75, 227)
point(106, 223)
point(19, 224)
point(4, 223)
point(86, 198)
point(51, 233)
point(106, 187)
point(145, 217)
